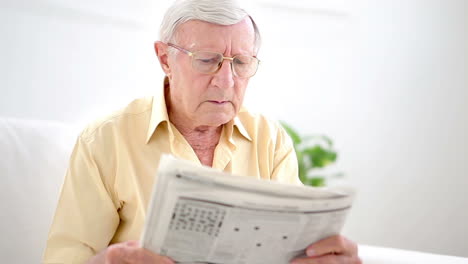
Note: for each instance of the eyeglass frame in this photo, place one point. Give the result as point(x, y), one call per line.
point(190, 53)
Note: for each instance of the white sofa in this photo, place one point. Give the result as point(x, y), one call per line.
point(34, 157)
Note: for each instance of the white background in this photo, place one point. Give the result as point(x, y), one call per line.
point(387, 80)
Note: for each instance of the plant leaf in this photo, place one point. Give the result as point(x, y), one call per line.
point(292, 133)
point(318, 181)
point(318, 138)
point(302, 167)
point(328, 140)
point(319, 156)
point(315, 181)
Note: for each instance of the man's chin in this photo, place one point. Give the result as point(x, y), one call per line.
point(217, 119)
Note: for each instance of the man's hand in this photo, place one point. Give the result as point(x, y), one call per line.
point(332, 250)
point(128, 253)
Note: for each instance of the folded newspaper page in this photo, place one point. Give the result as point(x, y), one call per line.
point(202, 215)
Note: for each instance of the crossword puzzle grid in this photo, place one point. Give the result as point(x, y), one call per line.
point(197, 216)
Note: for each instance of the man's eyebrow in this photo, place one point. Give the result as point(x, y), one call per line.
point(194, 47)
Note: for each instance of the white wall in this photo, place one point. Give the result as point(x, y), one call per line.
point(385, 79)
point(406, 140)
point(65, 60)
point(388, 81)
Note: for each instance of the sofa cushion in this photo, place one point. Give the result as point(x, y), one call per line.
point(34, 157)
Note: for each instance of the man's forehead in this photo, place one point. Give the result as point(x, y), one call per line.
point(200, 34)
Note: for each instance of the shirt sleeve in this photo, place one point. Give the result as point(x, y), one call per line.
point(285, 168)
point(86, 217)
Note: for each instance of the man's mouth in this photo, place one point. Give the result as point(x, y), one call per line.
point(217, 102)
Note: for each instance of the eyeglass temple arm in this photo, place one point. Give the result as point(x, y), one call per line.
point(180, 48)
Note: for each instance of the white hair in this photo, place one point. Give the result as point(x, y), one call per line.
point(220, 12)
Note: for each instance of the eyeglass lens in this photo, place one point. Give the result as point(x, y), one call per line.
point(210, 62)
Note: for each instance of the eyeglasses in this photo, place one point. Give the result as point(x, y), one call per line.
point(243, 66)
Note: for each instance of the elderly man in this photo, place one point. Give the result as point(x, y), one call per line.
point(208, 53)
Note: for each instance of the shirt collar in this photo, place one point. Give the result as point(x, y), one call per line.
point(240, 126)
point(158, 111)
point(159, 114)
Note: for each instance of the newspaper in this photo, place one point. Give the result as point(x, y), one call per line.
point(202, 215)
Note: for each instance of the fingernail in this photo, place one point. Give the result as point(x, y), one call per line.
point(310, 252)
point(167, 260)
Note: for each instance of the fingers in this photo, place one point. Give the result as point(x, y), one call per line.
point(129, 253)
point(335, 245)
point(132, 243)
point(328, 259)
point(331, 250)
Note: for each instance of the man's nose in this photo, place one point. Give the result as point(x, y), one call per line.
point(224, 78)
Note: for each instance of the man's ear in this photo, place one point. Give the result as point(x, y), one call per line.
point(161, 50)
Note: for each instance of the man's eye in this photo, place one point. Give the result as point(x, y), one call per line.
point(241, 60)
point(237, 61)
point(208, 60)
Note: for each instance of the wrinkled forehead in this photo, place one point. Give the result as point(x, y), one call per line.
point(196, 34)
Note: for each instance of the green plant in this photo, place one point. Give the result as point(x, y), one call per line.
point(313, 152)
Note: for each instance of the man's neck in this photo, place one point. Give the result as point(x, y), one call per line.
point(202, 139)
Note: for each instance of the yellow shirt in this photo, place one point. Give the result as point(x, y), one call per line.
point(113, 166)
